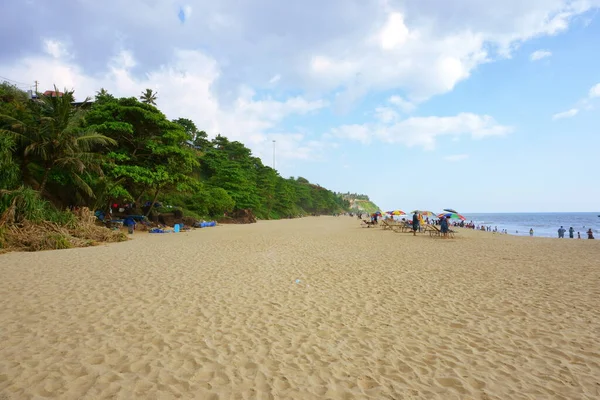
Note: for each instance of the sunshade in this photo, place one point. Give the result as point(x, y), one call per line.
point(424, 213)
point(450, 210)
point(452, 216)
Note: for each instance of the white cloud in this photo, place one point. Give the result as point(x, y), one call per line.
point(424, 131)
point(566, 114)
point(394, 32)
point(404, 105)
point(430, 49)
point(594, 91)
point(584, 104)
point(456, 157)
point(55, 48)
point(539, 54)
point(356, 132)
point(423, 48)
point(275, 79)
point(386, 114)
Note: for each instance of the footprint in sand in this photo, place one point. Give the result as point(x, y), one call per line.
point(204, 375)
point(476, 384)
point(96, 359)
point(249, 370)
point(452, 383)
point(220, 379)
point(366, 382)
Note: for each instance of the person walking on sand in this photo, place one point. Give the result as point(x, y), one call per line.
point(571, 233)
point(415, 224)
point(561, 232)
point(531, 232)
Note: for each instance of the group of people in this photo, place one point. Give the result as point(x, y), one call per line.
point(417, 219)
point(562, 231)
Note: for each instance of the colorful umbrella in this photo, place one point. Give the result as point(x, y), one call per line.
point(398, 212)
point(377, 213)
point(451, 210)
point(424, 213)
point(452, 216)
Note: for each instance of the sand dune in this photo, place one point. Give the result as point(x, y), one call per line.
point(316, 308)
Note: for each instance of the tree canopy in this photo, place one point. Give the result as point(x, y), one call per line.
point(126, 150)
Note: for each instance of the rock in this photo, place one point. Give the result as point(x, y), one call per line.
point(244, 216)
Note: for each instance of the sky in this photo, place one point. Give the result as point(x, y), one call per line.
point(476, 105)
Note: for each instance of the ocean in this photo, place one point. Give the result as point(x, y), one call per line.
point(543, 224)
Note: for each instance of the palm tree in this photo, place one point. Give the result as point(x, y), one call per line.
point(103, 94)
point(56, 139)
point(149, 97)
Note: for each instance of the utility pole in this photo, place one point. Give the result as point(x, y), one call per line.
point(36, 87)
point(273, 154)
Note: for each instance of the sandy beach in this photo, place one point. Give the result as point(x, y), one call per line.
point(314, 308)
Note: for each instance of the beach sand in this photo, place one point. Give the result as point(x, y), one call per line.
point(216, 313)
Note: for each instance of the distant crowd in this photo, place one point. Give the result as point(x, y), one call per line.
point(562, 231)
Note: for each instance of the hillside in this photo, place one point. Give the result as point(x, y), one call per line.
point(359, 202)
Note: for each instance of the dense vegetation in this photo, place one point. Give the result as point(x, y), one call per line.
point(57, 154)
point(353, 196)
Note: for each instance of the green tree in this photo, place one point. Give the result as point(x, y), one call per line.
point(149, 97)
point(151, 156)
point(103, 95)
point(56, 139)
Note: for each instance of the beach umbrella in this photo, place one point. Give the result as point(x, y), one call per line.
point(398, 212)
point(377, 213)
point(424, 213)
point(452, 216)
point(450, 210)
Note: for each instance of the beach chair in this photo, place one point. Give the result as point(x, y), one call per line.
point(402, 227)
point(434, 231)
point(387, 225)
point(366, 223)
point(427, 228)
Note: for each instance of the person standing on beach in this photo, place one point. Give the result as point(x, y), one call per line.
point(578, 235)
point(561, 232)
point(130, 224)
point(444, 227)
point(571, 232)
point(531, 232)
point(415, 224)
point(590, 234)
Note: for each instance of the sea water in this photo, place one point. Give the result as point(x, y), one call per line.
point(543, 224)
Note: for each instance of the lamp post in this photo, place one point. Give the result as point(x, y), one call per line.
point(273, 154)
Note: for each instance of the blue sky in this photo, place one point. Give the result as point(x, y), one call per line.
point(482, 106)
